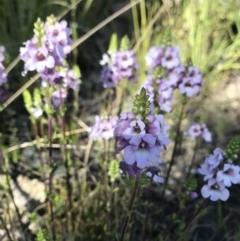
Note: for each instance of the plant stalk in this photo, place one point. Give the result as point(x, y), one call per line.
point(130, 207)
point(178, 130)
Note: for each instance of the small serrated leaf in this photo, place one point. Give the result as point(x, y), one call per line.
point(114, 171)
point(37, 99)
point(77, 71)
point(27, 98)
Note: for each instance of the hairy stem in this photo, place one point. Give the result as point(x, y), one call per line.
point(50, 177)
point(130, 207)
point(192, 160)
point(178, 130)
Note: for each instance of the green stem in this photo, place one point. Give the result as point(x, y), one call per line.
point(135, 22)
point(130, 207)
point(50, 177)
point(192, 160)
point(178, 130)
point(50, 162)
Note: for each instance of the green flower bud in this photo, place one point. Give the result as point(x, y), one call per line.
point(39, 31)
point(233, 148)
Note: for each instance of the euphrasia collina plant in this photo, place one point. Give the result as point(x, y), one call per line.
point(220, 171)
point(199, 130)
point(46, 53)
point(166, 73)
point(142, 136)
point(118, 64)
point(103, 128)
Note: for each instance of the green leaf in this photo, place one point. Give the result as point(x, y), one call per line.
point(37, 99)
point(77, 71)
point(42, 235)
point(114, 171)
point(27, 98)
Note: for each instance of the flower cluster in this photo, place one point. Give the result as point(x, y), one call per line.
point(220, 173)
point(46, 53)
point(142, 135)
point(103, 128)
point(166, 70)
point(3, 75)
point(118, 66)
point(199, 130)
point(66, 79)
point(47, 49)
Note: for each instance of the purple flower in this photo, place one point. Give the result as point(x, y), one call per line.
point(154, 56)
point(142, 138)
point(171, 58)
point(191, 83)
point(159, 129)
point(176, 75)
point(69, 79)
point(195, 74)
point(135, 132)
point(229, 174)
point(39, 60)
point(207, 170)
point(154, 173)
point(196, 130)
point(145, 154)
point(2, 53)
point(165, 92)
point(123, 124)
point(206, 134)
point(61, 33)
point(131, 170)
point(215, 159)
point(50, 75)
point(3, 75)
point(108, 78)
point(192, 195)
point(210, 166)
point(103, 128)
point(193, 131)
point(58, 97)
point(118, 66)
point(215, 190)
point(188, 88)
point(43, 54)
